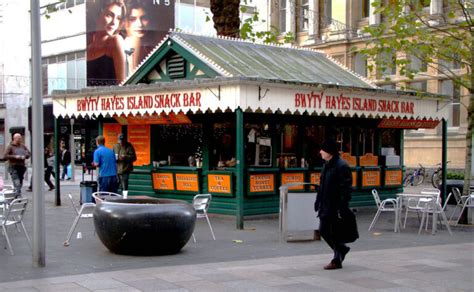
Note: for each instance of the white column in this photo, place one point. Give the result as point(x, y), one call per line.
point(291, 16)
point(313, 17)
point(436, 7)
point(374, 18)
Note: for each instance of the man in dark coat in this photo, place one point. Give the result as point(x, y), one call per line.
point(333, 197)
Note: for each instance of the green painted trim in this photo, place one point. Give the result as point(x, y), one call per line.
point(444, 160)
point(154, 61)
point(240, 157)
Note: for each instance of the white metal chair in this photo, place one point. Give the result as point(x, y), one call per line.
point(421, 204)
point(83, 213)
point(468, 203)
point(201, 204)
point(387, 205)
point(456, 193)
point(13, 215)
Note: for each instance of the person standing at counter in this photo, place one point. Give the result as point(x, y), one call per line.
point(333, 198)
point(125, 156)
point(16, 154)
point(104, 159)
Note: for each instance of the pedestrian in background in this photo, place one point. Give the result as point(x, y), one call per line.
point(104, 159)
point(125, 156)
point(48, 171)
point(16, 154)
point(65, 160)
point(332, 200)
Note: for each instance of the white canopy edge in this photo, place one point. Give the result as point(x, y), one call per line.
point(251, 96)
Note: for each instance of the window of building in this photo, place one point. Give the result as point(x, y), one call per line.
point(418, 63)
point(451, 63)
point(304, 17)
point(365, 8)
point(69, 3)
point(64, 72)
point(194, 18)
point(360, 64)
point(386, 64)
point(419, 86)
point(283, 15)
point(325, 13)
point(388, 86)
point(450, 89)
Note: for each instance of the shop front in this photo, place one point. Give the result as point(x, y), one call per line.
point(240, 137)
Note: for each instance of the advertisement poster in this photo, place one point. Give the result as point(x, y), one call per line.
point(121, 33)
point(139, 136)
point(110, 133)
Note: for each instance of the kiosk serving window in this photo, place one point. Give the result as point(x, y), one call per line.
point(178, 145)
point(223, 153)
point(259, 145)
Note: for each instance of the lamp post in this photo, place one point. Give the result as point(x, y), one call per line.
point(39, 234)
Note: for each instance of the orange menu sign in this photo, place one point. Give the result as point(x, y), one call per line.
point(371, 178)
point(262, 183)
point(294, 177)
point(163, 181)
point(351, 160)
point(393, 177)
point(368, 160)
point(187, 182)
point(139, 136)
point(354, 178)
point(315, 178)
point(110, 133)
point(219, 183)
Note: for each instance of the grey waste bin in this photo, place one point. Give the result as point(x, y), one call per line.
point(87, 188)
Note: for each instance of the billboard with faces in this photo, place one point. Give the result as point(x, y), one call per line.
point(121, 33)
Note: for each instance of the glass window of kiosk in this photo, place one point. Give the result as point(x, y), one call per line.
point(367, 141)
point(179, 145)
point(223, 152)
point(289, 148)
point(390, 138)
point(314, 137)
point(258, 146)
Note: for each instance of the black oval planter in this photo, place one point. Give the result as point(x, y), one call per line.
point(144, 226)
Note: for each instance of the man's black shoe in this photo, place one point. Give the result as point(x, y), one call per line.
point(344, 252)
point(29, 190)
point(333, 266)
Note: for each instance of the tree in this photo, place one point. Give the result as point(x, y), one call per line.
point(226, 17)
point(436, 40)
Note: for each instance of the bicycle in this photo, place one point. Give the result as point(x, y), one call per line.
point(437, 176)
point(417, 177)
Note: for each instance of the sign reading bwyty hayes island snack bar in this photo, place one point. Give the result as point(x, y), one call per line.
point(187, 182)
point(262, 183)
point(219, 183)
point(163, 181)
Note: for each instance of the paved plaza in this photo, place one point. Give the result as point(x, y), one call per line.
point(253, 259)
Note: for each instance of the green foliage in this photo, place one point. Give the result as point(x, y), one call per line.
point(435, 40)
point(455, 175)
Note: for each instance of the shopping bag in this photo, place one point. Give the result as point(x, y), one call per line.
point(347, 226)
point(69, 171)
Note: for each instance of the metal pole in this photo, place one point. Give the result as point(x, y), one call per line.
point(39, 247)
point(57, 170)
point(72, 147)
point(240, 156)
point(444, 159)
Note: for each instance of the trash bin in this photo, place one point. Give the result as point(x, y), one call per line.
point(87, 188)
point(298, 220)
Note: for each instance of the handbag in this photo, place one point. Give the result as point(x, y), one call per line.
point(69, 171)
point(347, 226)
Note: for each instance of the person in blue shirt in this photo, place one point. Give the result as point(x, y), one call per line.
point(104, 159)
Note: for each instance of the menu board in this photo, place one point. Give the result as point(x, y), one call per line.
point(371, 178)
point(293, 177)
point(187, 182)
point(139, 136)
point(351, 160)
point(110, 133)
point(393, 177)
point(368, 160)
point(219, 183)
point(315, 178)
point(354, 178)
point(262, 183)
point(163, 181)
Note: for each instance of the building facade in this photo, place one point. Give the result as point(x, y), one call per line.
point(335, 27)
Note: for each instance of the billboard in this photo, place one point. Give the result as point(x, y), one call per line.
point(121, 33)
